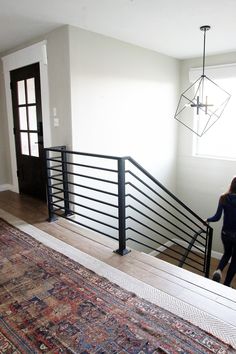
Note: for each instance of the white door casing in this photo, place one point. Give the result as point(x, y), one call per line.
point(29, 55)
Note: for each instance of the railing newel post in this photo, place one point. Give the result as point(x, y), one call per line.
point(67, 212)
point(51, 215)
point(208, 251)
point(122, 250)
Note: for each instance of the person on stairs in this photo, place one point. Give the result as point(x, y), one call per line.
point(227, 207)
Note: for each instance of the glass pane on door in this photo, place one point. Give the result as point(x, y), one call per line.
point(32, 118)
point(23, 118)
point(34, 144)
point(24, 143)
point(30, 91)
point(21, 91)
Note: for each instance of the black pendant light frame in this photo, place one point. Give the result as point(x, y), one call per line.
point(212, 113)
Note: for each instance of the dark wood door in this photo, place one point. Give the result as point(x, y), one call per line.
point(28, 130)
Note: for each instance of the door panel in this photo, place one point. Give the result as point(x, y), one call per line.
point(28, 130)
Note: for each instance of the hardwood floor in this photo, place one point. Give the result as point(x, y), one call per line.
point(204, 295)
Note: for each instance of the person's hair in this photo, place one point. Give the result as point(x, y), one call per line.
point(232, 189)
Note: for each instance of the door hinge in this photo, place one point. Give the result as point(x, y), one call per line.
point(17, 173)
point(14, 131)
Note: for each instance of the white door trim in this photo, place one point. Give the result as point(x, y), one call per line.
point(32, 54)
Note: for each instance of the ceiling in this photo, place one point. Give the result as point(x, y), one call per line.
point(170, 27)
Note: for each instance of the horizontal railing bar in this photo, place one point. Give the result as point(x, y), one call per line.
point(151, 239)
point(149, 228)
point(162, 217)
point(165, 189)
point(161, 206)
point(90, 188)
point(93, 189)
point(54, 194)
point(175, 243)
point(160, 196)
point(54, 158)
point(89, 208)
point(157, 223)
point(55, 166)
point(143, 244)
point(52, 176)
point(98, 211)
point(59, 180)
point(55, 169)
point(83, 165)
point(89, 227)
point(109, 157)
point(86, 197)
point(89, 166)
point(60, 198)
point(92, 219)
point(57, 184)
point(164, 236)
point(86, 176)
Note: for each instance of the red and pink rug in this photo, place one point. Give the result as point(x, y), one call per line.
point(51, 304)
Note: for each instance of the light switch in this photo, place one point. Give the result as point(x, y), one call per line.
point(54, 112)
point(56, 122)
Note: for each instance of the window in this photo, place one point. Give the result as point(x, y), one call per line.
point(27, 117)
point(219, 141)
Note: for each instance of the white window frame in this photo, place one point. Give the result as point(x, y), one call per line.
point(213, 72)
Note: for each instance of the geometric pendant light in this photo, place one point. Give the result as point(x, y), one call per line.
point(201, 104)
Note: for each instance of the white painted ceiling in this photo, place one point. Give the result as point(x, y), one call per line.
point(170, 27)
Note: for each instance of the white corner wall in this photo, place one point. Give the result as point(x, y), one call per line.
point(200, 181)
point(58, 99)
point(123, 102)
point(59, 86)
point(5, 175)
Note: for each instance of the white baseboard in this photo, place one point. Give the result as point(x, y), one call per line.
point(161, 248)
point(6, 187)
point(216, 255)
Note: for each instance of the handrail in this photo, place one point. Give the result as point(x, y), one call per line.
point(187, 251)
point(95, 195)
point(63, 147)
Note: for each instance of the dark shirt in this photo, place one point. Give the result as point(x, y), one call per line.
point(228, 206)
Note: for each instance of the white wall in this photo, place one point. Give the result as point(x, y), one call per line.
point(59, 92)
point(122, 99)
point(5, 179)
point(59, 86)
point(200, 181)
point(123, 102)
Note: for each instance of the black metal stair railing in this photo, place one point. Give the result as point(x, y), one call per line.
point(116, 197)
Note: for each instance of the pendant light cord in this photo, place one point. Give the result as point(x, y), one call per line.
point(204, 49)
point(204, 28)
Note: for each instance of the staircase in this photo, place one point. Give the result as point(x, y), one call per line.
point(116, 197)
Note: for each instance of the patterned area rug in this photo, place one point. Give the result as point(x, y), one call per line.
point(51, 304)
